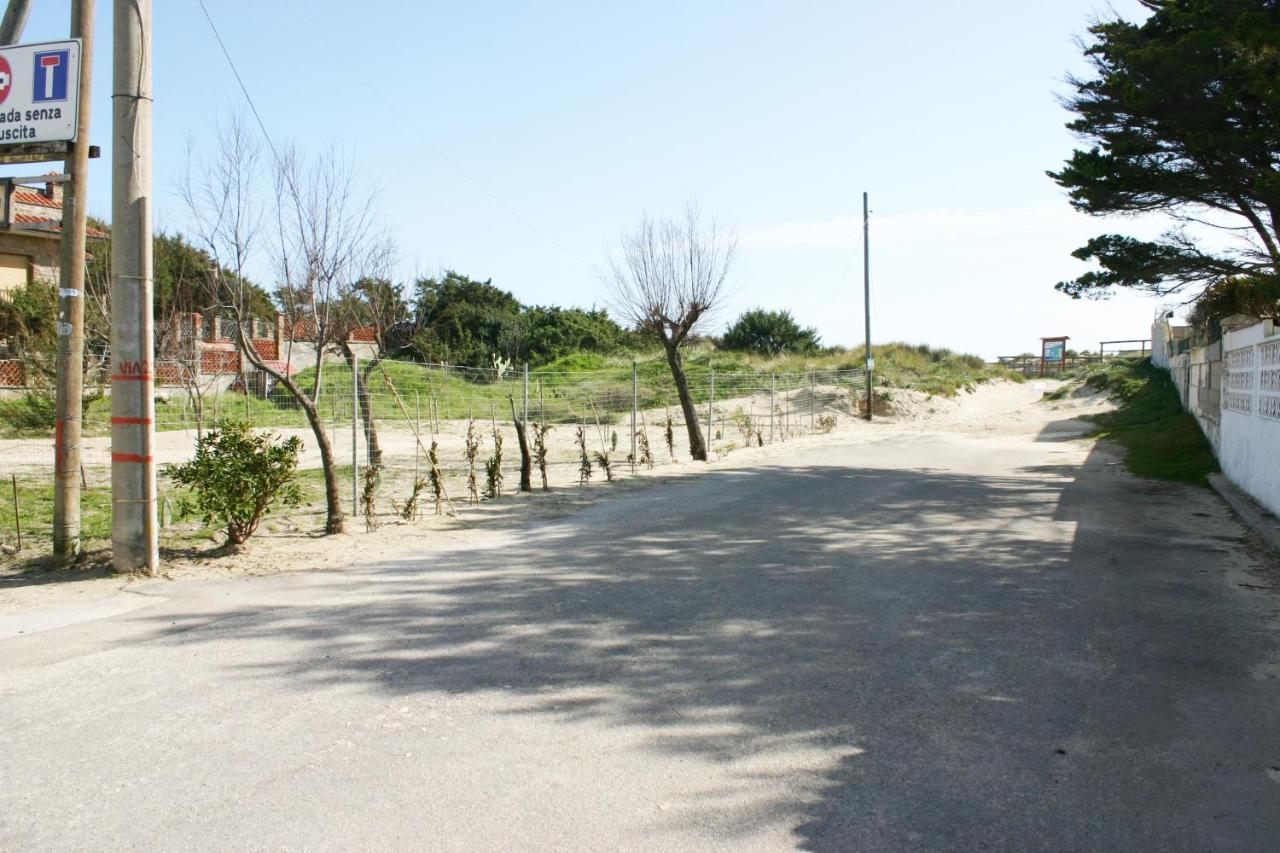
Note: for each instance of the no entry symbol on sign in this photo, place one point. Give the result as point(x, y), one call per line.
point(6, 79)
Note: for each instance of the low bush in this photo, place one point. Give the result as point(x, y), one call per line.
point(237, 476)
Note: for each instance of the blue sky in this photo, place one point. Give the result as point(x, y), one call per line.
point(578, 117)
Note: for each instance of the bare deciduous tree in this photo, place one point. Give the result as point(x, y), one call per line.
point(373, 305)
point(326, 244)
point(322, 223)
point(671, 275)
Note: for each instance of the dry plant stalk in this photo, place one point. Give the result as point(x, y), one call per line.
point(437, 481)
point(369, 496)
point(472, 454)
point(540, 431)
point(493, 469)
point(584, 458)
point(410, 510)
point(742, 421)
point(646, 454)
point(670, 430)
point(418, 445)
point(602, 457)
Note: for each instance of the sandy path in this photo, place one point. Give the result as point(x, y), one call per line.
point(290, 543)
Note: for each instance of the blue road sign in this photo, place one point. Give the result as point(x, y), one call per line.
point(50, 78)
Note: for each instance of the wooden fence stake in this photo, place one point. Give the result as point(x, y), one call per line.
point(17, 519)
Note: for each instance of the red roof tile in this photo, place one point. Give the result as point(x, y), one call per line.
point(53, 225)
point(281, 367)
point(37, 199)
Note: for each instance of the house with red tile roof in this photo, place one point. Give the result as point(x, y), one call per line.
point(31, 249)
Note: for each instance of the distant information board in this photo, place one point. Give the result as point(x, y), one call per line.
point(1054, 350)
point(39, 92)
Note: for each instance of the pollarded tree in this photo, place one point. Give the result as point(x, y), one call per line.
point(375, 306)
point(324, 244)
point(770, 333)
point(670, 276)
point(1184, 119)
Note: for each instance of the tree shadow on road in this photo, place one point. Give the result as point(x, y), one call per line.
point(947, 643)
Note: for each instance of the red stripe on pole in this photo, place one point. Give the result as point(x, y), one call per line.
point(131, 420)
point(130, 457)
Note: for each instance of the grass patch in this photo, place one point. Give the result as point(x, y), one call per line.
point(1160, 439)
point(35, 514)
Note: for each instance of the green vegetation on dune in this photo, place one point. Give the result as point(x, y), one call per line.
point(573, 387)
point(1160, 439)
point(936, 371)
point(919, 367)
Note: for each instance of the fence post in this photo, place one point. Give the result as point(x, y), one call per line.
point(417, 431)
point(711, 407)
point(355, 435)
point(526, 395)
point(635, 406)
point(17, 514)
point(773, 402)
point(813, 401)
point(786, 415)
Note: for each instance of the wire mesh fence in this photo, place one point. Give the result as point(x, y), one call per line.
point(399, 414)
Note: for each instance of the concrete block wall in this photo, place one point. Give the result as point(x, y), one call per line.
point(1249, 445)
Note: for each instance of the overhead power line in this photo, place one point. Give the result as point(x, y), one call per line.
point(404, 119)
point(253, 108)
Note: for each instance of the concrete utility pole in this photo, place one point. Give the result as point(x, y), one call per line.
point(635, 407)
point(15, 20)
point(133, 471)
point(866, 293)
point(70, 368)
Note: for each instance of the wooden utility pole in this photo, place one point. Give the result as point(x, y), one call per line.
point(70, 366)
point(133, 471)
point(15, 19)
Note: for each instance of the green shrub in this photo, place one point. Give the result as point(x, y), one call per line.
point(236, 476)
point(33, 412)
point(770, 333)
point(575, 362)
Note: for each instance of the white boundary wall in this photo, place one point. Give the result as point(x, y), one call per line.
point(1249, 441)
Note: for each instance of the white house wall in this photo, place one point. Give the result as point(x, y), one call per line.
point(1249, 449)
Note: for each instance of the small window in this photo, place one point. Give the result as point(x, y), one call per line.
point(15, 272)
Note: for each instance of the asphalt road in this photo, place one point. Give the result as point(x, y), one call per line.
point(921, 642)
